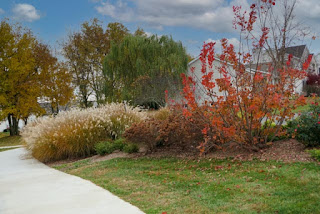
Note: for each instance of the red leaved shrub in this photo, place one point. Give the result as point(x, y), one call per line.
point(175, 131)
point(313, 84)
point(145, 132)
point(313, 79)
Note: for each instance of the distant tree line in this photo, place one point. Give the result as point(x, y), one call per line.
point(104, 64)
point(113, 65)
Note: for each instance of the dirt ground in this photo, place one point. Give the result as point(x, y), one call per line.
point(286, 150)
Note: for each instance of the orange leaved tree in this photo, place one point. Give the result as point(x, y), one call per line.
point(249, 101)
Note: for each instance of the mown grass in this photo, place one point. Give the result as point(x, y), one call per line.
point(302, 109)
point(5, 149)
point(305, 108)
point(207, 186)
point(6, 140)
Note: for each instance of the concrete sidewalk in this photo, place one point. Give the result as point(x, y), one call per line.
point(28, 186)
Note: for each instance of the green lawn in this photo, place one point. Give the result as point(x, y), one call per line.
point(6, 140)
point(207, 186)
point(305, 108)
point(4, 134)
point(302, 109)
point(6, 149)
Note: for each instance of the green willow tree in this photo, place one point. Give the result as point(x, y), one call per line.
point(141, 68)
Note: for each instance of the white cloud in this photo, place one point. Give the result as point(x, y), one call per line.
point(1, 11)
point(25, 12)
point(213, 15)
point(309, 9)
point(119, 11)
point(149, 34)
point(218, 47)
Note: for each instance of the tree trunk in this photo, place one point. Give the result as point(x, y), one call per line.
point(13, 125)
point(10, 125)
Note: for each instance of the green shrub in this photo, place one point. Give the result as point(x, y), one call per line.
point(119, 144)
point(306, 127)
point(130, 148)
point(107, 147)
point(103, 148)
point(315, 153)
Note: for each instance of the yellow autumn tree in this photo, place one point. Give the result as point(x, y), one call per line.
point(26, 66)
point(55, 78)
point(57, 89)
point(18, 91)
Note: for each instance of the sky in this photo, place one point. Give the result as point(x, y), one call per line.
point(190, 21)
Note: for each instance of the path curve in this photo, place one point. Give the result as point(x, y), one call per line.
point(28, 186)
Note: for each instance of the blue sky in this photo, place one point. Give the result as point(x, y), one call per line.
point(189, 21)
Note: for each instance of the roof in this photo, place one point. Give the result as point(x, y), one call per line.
point(296, 51)
point(217, 59)
point(198, 57)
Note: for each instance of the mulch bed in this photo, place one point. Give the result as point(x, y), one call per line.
point(286, 150)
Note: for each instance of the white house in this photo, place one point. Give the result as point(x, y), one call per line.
point(300, 54)
point(196, 63)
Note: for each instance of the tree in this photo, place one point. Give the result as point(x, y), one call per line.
point(239, 101)
point(18, 75)
point(25, 66)
point(140, 32)
point(74, 53)
point(57, 88)
point(54, 79)
point(115, 33)
point(85, 52)
point(278, 22)
point(140, 69)
point(96, 47)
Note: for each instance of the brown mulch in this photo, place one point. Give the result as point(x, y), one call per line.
point(286, 150)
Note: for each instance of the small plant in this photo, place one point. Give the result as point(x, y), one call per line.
point(130, 148)
point(306, 127)
point(108, 147)
point(281, 135)
point(103, 148)
point(119, 144)
point(315, 153)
